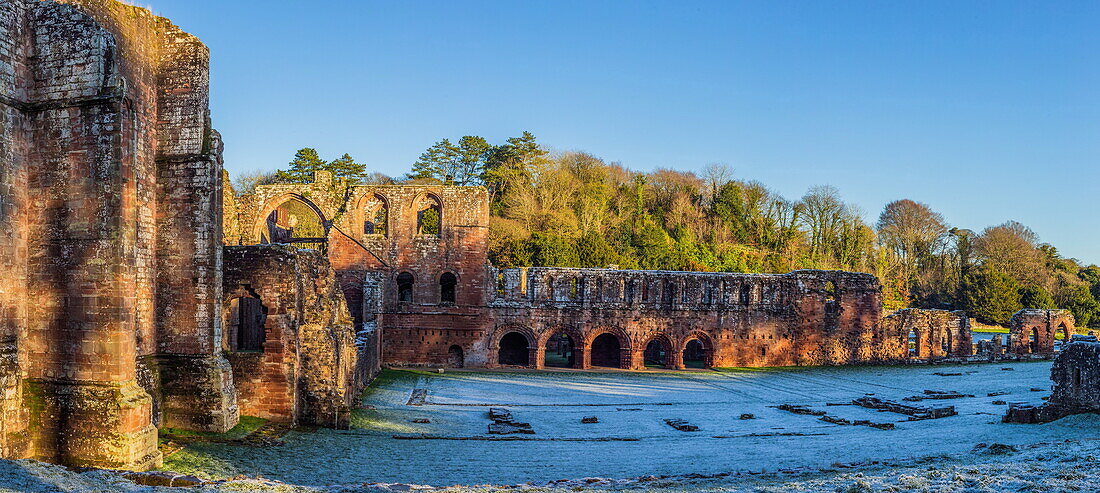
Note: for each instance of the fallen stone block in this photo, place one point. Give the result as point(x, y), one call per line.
point(681, 425)
point(590, 420)
point(748, 416)
point(510, 428)
point(937, 394)
point(499, 414)
point(915, 413)
point(797, 409)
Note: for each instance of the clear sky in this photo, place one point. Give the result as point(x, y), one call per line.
point(987, 111)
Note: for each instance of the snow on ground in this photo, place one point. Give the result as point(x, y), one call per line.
point(632, 440)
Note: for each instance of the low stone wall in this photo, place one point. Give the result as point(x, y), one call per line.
point(930, 334)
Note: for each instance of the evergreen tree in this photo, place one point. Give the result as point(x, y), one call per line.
point(992, 296)
point(436, 163)
point(593, 250)
point(346, 167)
point(305, 163)
point(1036, 297)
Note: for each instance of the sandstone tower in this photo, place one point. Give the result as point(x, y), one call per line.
point(110, 235)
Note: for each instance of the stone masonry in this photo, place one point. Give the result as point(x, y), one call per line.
point(111, 198)
point(431, 299)
point(1034, 331)
point(304, 370)
point(1076, 389)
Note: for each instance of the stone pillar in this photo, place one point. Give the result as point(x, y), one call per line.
point(539, 355)
point(88, 282)
point(196, 380)
point(534, 359)
point(636, 359)
point(677, 358)
point(626, 359)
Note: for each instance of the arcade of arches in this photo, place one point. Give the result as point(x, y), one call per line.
point(603, 350)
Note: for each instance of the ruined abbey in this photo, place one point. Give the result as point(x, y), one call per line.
point(139, 291)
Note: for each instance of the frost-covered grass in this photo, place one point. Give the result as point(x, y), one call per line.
point(631, 439)
point(245, 427)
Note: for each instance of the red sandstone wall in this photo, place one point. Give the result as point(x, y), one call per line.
point(741, 319)
point(14, 86)
point(306, 371)
point(109, 177)
point(415, 332)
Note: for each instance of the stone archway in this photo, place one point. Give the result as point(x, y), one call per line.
point(657, 352)
point(560, 350)
point(291, 218)
point(606, 351)
point(696, 351)
point(514, 349)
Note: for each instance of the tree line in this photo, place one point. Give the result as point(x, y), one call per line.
point(573, 209)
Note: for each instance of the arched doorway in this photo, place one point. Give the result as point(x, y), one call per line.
point(514, 350)
point(658, 353)
point(297, 222)
point(559, 352)
point(1061, 333)
point(607, 351)
point(696, 354)
point(1033, 340)
point(913, 343)
point(945, 343)
point(455, 357)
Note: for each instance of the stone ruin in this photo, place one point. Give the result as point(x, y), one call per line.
point(1033, 332)
point(111, 291)
point(1076, 389)
point(430, 290)
point(138, 291)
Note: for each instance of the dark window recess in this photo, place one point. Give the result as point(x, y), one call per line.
point(447, 283)
point(404, 287)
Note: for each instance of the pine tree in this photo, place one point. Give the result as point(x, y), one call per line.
point(992, 296)
point(346, 167)
point(437, 163)
point(305, 163)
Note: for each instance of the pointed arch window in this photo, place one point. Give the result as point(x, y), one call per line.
point(429, 216)
point(376, 216)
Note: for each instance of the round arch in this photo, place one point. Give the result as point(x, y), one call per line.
point(705, 351)
point(260, 227)
point(501, 332)
point(599, 352)
point(657, 350)
point(560, 348)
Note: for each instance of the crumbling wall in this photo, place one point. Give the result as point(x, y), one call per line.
point(305, 372)
point(422, 329)
point(1032, 331)
point(801, 318)
point(109, 183)
point(1076, 386)
point(928, 334)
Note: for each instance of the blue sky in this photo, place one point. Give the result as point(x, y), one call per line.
point(987, 111)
